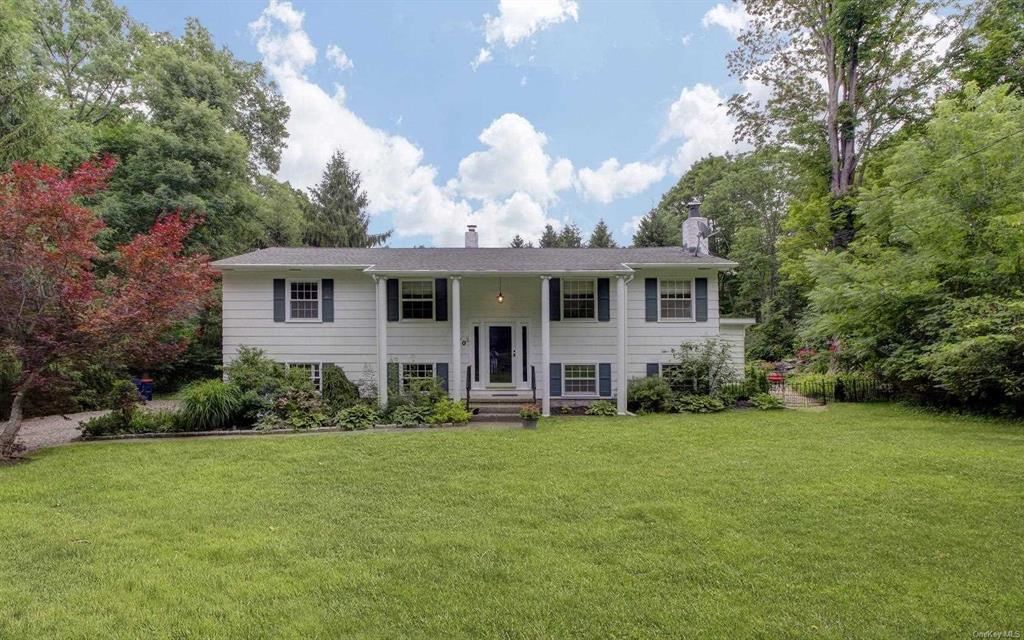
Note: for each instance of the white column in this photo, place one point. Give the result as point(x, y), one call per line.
point(545, 345)
point(455, 366)
point(622, 366)
point(382, 340)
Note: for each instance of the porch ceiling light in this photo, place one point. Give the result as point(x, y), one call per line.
point(501, 297)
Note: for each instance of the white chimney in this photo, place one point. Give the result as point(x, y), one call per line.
point(472, 240)
point(696, 231)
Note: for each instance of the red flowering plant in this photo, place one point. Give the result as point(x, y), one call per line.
point(56, 311)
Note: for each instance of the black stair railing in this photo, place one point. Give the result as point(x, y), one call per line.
point(533, 382)
point(469, 383)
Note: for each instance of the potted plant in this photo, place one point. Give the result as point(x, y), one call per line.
point(529, 413)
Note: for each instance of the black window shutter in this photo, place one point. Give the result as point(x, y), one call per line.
point(393, 377)
point(441, 373)
point(604, 379)
point(652, 370)
point(278, 299)
point(327, 299)
point(651, 299)
point(555, 298)
point(556, 379)
point(441, 299)
point(702, 299)
point(392, 299)
point(604, 312)
point(476, 354)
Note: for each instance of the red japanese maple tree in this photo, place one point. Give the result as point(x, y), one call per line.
point(63, 302)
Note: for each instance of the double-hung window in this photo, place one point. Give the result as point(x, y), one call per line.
point(416, 371)
point(676, 299)
point(313, 368)
point(579, 299)
point(304, 300)
point(580, 379)
point(417, 299)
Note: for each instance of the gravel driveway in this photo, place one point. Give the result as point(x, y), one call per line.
point(50, 431)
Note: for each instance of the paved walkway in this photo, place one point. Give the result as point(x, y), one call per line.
point(50, 431)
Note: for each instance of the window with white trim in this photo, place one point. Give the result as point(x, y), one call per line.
point(417, 299)
point(416, 371)
point(580, 378)
point(579, 299)
point(313, 368)
point(676, 299)
point(304, 300)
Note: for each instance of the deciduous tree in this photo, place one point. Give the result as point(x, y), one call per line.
point(57, 309)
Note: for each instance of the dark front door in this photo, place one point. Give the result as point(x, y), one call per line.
point(499, 339)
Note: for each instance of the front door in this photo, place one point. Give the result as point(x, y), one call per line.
point(501, 352)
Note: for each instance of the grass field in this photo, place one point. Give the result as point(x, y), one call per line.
point(861, 521)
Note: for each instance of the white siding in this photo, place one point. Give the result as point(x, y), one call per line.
point(350, 340)
point(653, 341)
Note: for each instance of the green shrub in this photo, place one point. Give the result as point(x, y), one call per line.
point(337, 391)
point(142, 421)
point(408, 415)
point(253, 372)
point(124, 399)
point(565, 410)
point(649, 395)
point(756, 378)
point(700, 367)
point(602, 408)
point(424, 392)
point(108, 424)
point(448, 411)
point(208, 405)
point(698, 403)
point(729, 394)
point(154, 421)
point(357, 417)
point(766, 401)
point(297, 408)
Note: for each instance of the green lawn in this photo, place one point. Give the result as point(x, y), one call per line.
point(861, 521)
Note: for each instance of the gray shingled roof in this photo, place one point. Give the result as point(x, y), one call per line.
point(459, 260)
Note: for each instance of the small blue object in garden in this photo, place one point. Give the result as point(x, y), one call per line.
point(145, 387)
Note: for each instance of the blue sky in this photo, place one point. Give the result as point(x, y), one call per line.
point(508, 115)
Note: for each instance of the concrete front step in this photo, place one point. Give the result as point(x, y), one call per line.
point(495, 417)
point(494, 407)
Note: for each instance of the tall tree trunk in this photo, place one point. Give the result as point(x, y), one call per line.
point(10, 428)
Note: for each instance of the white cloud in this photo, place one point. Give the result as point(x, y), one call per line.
point(283, 53)
point(339, 58)
point(520, 19)
point(733, 18)
point(612, 180)
point(481, 58)
point(500, 221)
point(629, 227)
point(686, 39)
point(514, 160)
point(510, 199)
point(701, 120)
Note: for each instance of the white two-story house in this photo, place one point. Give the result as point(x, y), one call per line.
point(560, 325)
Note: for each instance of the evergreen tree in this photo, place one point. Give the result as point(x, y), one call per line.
point(601, 237)
point(549, 238)
point(519, 243)
point(338, 215)
point(656, 230)
point(571, 237)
